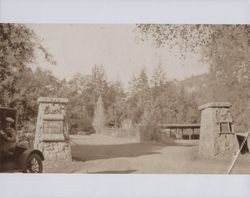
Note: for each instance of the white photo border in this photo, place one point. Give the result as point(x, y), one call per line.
point(125, 12)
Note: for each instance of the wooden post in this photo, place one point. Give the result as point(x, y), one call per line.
point(193, 133)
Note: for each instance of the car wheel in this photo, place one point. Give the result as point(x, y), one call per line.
point(34, 164)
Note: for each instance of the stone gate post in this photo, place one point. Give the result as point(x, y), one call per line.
point(51, 136)
point(217, 137)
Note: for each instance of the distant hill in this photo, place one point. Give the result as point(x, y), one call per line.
point(196, 86)
point(194, 83)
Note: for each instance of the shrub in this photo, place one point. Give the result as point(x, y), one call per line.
point(149, 132)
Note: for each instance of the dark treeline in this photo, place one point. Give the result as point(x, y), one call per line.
point(148, 98)
point(165, 102)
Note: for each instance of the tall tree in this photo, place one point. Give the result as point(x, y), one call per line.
point(98, 79)
point(99, 116)
point(139, 96)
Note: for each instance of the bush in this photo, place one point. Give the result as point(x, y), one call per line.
point(80, 125)
point(149, 132)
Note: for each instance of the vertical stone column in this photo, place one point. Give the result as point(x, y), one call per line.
point(51, 136)
point(216, 133)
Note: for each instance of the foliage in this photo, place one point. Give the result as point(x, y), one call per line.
point(18, 44)
point(95, 102)
point(149, 130)
point(19, 86)
point(167, 101)
point(17, 49)
point(224, 48)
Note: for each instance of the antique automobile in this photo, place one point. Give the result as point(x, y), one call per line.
point(23, 159)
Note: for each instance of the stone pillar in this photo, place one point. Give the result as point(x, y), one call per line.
point(217, 137)
point(51, 136)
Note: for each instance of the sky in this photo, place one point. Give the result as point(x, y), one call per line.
point(77, 48)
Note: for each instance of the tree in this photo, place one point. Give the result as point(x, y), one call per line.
point(114, 103)
point(98, 79)
point(99, 116)
point(75, 90)
point(84, 90)
point(30, 86)
point(159, 77)
point(138, 97)
point(224, 48)
point(18, 45)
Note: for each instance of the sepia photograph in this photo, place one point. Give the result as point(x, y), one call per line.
point(124, 98)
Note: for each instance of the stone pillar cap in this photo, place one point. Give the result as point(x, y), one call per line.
point(52, 100)
point(215, 105)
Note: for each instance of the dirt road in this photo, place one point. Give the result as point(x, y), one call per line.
point(105, 154)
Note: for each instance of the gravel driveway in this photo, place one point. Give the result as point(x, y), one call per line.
point(104, 154)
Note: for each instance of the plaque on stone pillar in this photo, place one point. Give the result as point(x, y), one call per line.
point(51, 135)
point(217, 137)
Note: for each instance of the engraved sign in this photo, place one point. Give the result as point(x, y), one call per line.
point(54, 109)
point(53, 127)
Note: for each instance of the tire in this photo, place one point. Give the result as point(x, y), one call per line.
point(34, 164)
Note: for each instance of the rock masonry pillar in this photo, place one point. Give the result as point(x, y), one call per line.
point(217, 137)
point(51, 136)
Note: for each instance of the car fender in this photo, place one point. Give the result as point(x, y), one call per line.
point(25, 155)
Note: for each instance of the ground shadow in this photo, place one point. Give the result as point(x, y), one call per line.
point(93, 152)
point(245, 148)
point(114, 172)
